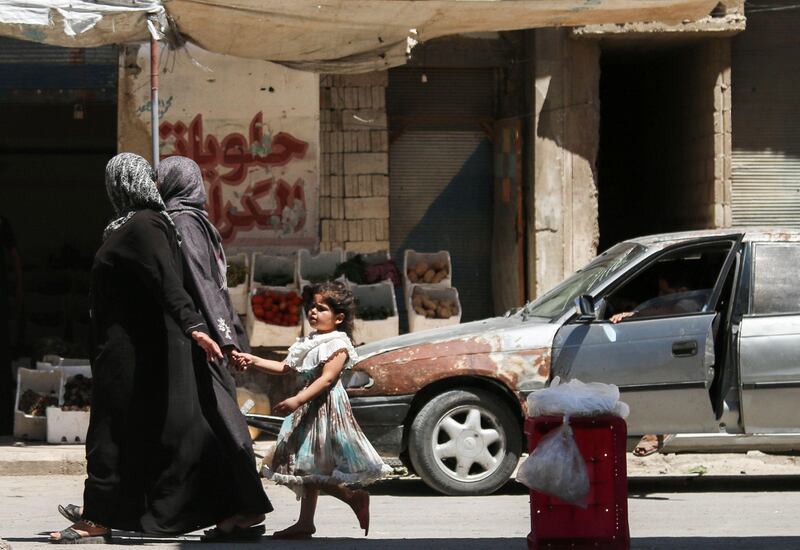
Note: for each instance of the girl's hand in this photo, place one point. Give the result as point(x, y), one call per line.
point(287, 406)
point(209, 346)
point(243, 360)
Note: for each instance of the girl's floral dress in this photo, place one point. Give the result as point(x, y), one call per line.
point(321, 442)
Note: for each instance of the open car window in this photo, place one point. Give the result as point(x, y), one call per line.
point(678, 283)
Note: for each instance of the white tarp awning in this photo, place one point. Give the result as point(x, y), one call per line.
point(324, 35)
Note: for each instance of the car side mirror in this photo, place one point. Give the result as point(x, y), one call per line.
point(584, 304)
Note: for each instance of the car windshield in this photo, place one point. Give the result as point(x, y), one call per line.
point(556, 302)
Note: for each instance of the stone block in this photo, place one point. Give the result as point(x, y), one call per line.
point(354, 230)
point(324, 207)
point(364, 119)
point(351, 185)
point(366, 163)
point(363, 144)
point(378, 97)
point(336, 208)
point(368, 230)
point(366, 208)
point(324, 185)
point(366, 246)
point(337, 98)
point(325, 98)
point(339, 230)
point(364, 98)
point(364, 186)
point(326, 230)
point(350, 98)
point(382, 229)
point(380, 185)
point(379, 141)
point(337, 186)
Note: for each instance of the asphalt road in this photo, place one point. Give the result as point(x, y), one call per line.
point(733, 512)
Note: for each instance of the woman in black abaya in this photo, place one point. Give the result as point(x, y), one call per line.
point(180, 182)
point(154, 461)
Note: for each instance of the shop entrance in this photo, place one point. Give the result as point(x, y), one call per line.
point(59, 129)
point(656, 156)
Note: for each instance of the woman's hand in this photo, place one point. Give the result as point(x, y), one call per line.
point(209, 346)
point(287, 406)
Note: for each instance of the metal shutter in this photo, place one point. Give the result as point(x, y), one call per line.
point(440, 170)
point(766, 120)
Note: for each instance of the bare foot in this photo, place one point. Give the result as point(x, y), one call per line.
point(296, 531)
point(360, 505)
point(83, 529)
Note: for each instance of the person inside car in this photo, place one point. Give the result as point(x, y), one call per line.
point(675, 296)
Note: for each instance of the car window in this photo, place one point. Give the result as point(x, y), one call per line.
point(775, 286)
point(556, 302)
point(678, 283)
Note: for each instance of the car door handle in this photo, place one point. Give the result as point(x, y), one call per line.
point(685, 348)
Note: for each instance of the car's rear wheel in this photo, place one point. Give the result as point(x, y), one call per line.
point(465, 442)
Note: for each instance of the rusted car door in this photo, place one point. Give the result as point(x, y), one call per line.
point(664, 366)
point(769, 340)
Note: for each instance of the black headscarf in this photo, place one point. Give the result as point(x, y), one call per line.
point(131, 187)
point(181, 186)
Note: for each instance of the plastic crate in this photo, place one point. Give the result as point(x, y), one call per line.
point(604, 522)
point(417, 322)
point(317, 268)
point(239, 293)
point(27, 426)
point(266, 334)
point(411, 258)
point(273, 265)
point(376, 295)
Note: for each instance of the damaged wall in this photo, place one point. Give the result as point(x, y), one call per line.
point(354, 174)
point(252, 126)
point(563, 227)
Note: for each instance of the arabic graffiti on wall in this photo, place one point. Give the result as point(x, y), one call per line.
point(244, 191)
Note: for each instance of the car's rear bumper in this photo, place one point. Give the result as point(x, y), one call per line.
point(382, 419)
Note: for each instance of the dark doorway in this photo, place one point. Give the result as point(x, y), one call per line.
point(656, 157)
point(59, 128)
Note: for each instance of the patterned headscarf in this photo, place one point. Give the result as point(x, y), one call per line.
point(131, 187)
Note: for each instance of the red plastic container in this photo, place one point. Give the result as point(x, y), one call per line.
point(603, 523)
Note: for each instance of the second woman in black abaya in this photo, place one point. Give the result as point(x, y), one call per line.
point(155, 462)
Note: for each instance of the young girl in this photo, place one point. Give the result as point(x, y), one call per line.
point(320, 445)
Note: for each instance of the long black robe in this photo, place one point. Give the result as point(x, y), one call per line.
point(155, 461)
point(204, 282)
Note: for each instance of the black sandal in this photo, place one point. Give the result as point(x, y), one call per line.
point(71, 511)
point(71, 536)
point(237, 534)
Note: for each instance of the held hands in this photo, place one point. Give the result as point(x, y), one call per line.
point(287, 406)
point(241, 361)
point(209, 346)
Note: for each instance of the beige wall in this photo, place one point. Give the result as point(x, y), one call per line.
point(252, 126)
point(354, 175)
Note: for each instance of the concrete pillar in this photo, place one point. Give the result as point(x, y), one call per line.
point(563, 217)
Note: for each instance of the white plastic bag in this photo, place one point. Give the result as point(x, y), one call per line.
point(576, 398)
point(557, 468)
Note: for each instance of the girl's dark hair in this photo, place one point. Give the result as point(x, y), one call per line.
point(339, 298)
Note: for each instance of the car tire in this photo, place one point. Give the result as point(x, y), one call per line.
point(465, 442)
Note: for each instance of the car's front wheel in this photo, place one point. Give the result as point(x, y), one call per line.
point(465, 442)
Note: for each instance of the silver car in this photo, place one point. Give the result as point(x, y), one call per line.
point(700, 330)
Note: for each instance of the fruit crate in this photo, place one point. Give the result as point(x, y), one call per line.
point(239, 293)
point(263, 334)
point(317, 268)
point(412, 260)
point(418, 322)
point(28, 426)
point(603, 524)
point(274, 269)
point(374, 296)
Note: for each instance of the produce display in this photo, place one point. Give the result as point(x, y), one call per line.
point(276, 308)
point(424, 272)
point(433, 308)
point(77, 393)
point(34, 404)
point(236, 274)
point(275, 279)
point(368, 313)
point(355, 269)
